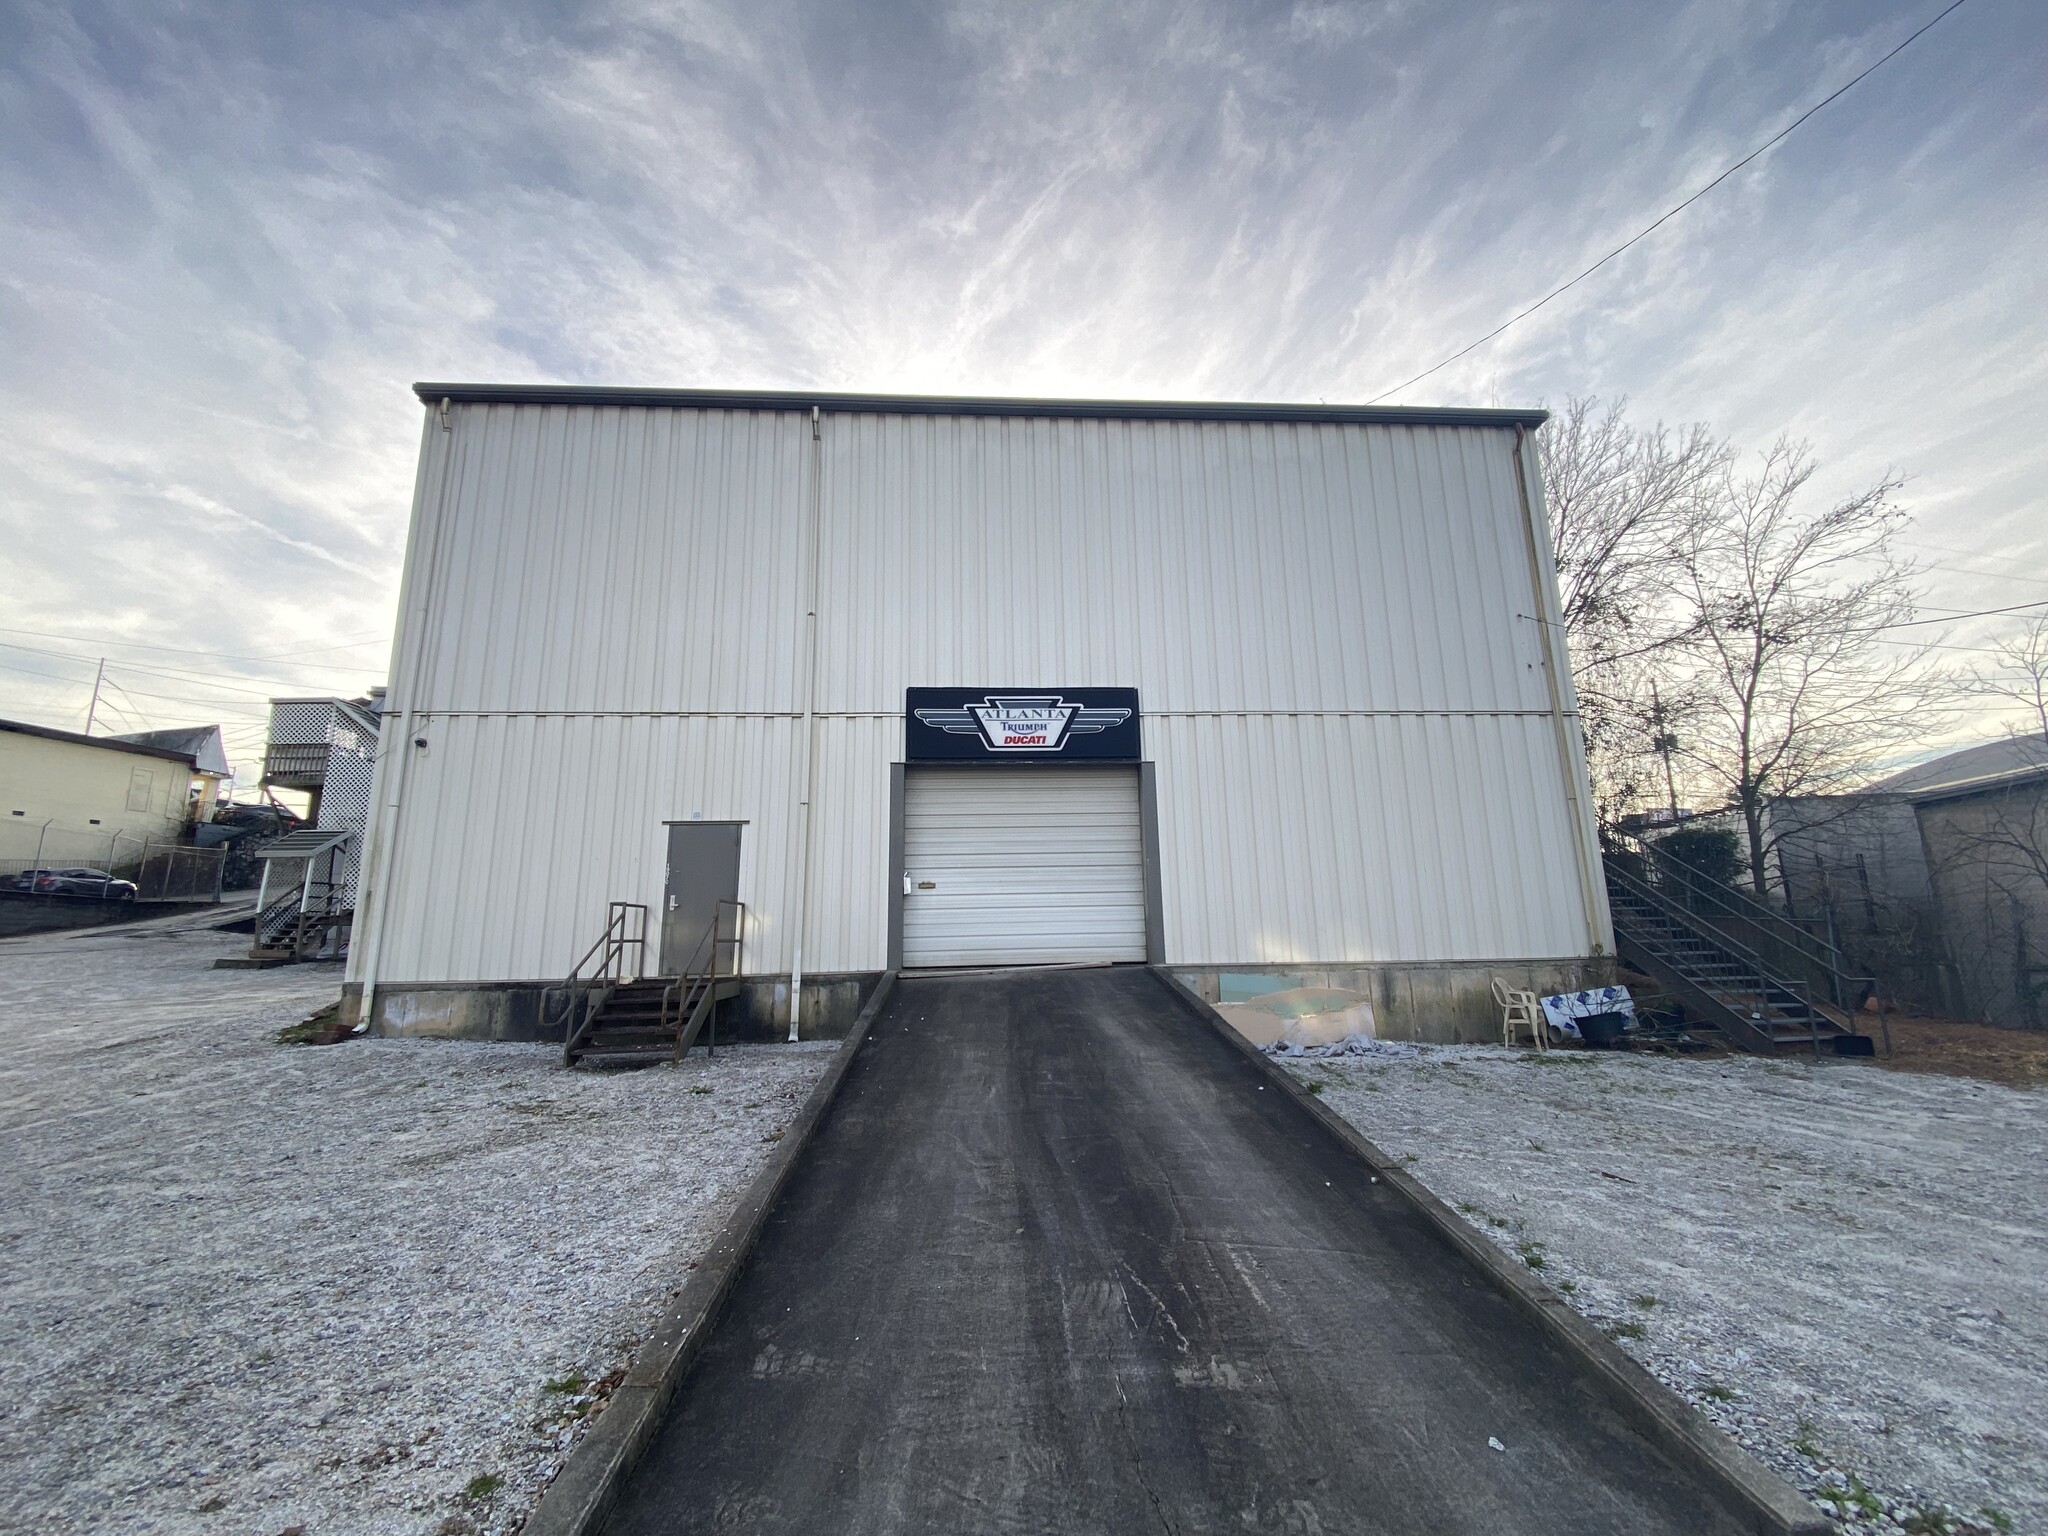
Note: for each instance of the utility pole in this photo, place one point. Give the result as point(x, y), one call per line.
point(1665, 743)
point(93, 708)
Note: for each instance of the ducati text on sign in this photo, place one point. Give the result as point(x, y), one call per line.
point(952, 724)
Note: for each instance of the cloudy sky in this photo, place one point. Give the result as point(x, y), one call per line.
point(232, 235)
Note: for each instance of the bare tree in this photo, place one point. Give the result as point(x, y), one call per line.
point(1624, 503)
point(2020, 674)
point(1796, 688)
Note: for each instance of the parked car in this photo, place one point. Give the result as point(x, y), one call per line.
point(75, 881)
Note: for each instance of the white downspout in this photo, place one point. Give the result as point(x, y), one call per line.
point(808, 663)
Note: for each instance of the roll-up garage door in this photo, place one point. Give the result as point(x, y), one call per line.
point(1022, 866)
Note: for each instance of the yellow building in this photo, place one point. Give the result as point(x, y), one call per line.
point(98, 801)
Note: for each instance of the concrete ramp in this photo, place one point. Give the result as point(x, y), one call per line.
point(1060, 1260)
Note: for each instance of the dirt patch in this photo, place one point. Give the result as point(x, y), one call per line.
point(322, 1028)
point(2015, 1057)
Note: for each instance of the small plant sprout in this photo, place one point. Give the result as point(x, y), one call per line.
point(482, 1486)
point(565, 1386)
point(1532, 1254)
point(1803, 1441)
point(1629, 1328)
point(1314, 1087)
point(1928, 1520)
point(1645, 1302)
point(1566, 1287)
point(1717, 1392)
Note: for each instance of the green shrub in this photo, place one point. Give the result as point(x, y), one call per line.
point(1709, 852)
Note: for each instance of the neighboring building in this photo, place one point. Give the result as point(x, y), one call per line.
point(327, 749)
point(1983, 818)
point(99, 801)
point(1258, 690)
point(1933, 880)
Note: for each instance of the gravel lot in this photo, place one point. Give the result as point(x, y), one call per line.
point(246, 1287)
point(1843, 1266)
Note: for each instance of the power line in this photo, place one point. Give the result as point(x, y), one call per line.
point(32, 672)
point(1950, 618)
point(1916, 540)
point(1936, 645)
point(1878, 629)
point(1971, 613)
point(1964, 570)
point(1649, 229)
point(369, 637)
point(188, 677)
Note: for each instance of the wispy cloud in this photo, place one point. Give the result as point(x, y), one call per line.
point(238, 231)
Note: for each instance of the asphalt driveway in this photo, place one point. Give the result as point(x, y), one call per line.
point(1056, 1262)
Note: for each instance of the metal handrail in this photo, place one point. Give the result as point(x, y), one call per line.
point(1746, 957)
point(709, 978)
point(621, 933)
point(1817, 952)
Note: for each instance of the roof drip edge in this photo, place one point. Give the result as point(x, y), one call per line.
point(967, 405)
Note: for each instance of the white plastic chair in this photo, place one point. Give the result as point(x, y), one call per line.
point(1519, 1010)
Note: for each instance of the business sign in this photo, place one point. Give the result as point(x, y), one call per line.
point(1020, 724)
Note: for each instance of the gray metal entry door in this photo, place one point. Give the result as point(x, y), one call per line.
point(703, 870)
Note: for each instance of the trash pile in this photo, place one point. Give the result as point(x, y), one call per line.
point(1350, 1045)
point(1385, 1050)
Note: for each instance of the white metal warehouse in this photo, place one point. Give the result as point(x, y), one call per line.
point(1277, 690)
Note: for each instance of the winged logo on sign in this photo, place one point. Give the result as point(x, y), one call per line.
point(1013, 722)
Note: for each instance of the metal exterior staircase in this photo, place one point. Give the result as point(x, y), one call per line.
point(1716, 979)
point(616, 1017)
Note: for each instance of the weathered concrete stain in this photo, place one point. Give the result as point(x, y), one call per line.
point(1444, 1003)
point(511, 1010)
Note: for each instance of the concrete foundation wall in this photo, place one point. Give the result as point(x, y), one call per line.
point(1443, 1004)
point(511, 1010)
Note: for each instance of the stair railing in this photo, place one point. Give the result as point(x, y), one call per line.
point(1796, 948)
point(702, 985)
point(625, 929)
point(1744, 957)
point(277, 921)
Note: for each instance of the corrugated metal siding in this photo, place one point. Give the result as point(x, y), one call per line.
point(1211, 565)
point(617, 560)
point(1329, 626)
point(1298, 839)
